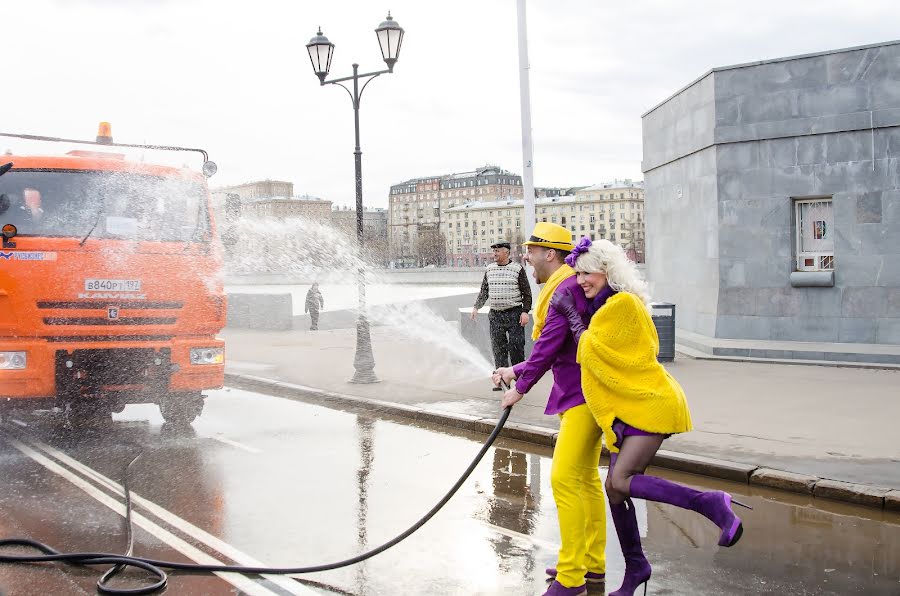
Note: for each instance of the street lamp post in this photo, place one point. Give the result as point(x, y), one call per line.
point(390, 38)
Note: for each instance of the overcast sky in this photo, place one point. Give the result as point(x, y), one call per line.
point(235, 79)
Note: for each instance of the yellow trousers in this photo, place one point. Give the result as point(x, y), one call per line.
point(578, 492)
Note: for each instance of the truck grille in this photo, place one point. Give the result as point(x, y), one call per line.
point(102, 304)
point(107, 321)
point(120, 319)
point(110, 338)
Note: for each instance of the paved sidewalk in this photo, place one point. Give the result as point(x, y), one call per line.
point(827, 422)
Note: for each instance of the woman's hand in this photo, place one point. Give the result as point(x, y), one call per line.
point(564, 303)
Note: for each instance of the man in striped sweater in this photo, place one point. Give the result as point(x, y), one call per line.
point(506, 290)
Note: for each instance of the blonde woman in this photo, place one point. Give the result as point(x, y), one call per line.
point(636, 402)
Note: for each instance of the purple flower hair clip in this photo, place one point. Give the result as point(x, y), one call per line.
point(582, 247)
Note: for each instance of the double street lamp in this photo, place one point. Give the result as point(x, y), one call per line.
point(390, 38)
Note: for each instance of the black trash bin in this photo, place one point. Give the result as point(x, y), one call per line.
point(664, 320)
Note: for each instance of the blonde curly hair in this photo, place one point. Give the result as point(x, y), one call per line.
point(622, 274)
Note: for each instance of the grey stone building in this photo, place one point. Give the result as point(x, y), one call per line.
point(375, 226)
point(261, 189)
point(772, 199)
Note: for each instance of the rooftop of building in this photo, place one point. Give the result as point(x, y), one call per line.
point(266, 181)
point(300, 199)
point(771, 61)
point(626, 183)
point(485, 170)
point(516, 202)
point(346, 209)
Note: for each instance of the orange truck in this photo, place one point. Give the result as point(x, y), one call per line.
point(110, 283)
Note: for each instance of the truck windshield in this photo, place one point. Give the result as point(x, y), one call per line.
point(123, 205)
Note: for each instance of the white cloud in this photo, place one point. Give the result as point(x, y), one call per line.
point(236, 80)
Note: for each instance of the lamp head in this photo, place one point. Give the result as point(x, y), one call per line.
point(320, 53)
point(390, 38)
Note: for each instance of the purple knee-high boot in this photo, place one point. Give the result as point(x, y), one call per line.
point(714, 505)
point(637, 568)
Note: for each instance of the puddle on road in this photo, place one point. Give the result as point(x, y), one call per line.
point(792, 543)
point(322, 484)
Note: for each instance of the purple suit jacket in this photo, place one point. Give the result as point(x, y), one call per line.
point(555, 350)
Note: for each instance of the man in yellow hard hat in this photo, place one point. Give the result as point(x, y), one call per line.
point(574, 475)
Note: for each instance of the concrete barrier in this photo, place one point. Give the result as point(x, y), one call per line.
point(445, 307)
point(437, 275)
point(448, 275)
point(273, 312)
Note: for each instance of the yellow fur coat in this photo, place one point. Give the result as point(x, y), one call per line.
point(620, 375)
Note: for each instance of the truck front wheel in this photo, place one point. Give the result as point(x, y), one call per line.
point(181, 408)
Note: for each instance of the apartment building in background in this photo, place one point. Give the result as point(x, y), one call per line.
point(416, 221)
point(613, 210)
point(416, 207)
point(375, 230)
point(275, 198)
point(374, 222)
point(307, 207)
point(261, 189)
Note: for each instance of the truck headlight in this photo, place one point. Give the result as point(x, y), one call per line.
point(13, 360)
point(207, 355)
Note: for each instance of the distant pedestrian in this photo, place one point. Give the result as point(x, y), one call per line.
point(506, 290)
point(636, 402)
point(314, 303)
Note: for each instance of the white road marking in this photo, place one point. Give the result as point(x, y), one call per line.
point(236, 444)
point(173, 520)
point(239, 581)
point(19, 422)
point(530, 539)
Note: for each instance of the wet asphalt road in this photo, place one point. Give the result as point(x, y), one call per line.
point(262, 479)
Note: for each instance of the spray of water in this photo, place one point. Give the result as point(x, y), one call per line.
point(305, 250)
point(297, 247)
point(418, 322)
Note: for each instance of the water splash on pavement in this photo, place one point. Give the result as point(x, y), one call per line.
point(419, 322)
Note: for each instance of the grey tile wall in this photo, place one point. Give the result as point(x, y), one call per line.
point(723, 161)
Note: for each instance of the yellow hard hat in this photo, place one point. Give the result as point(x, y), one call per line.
point(550, 235)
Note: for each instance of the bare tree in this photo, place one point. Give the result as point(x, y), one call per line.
point(376, 250)
point(431, 247)
point(634, 246)
point(515, 239)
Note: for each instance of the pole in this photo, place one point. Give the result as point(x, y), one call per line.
point(364, 360)
point(529, 216)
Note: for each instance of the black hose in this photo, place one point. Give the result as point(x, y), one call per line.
point(156, 567)
point(129, 550)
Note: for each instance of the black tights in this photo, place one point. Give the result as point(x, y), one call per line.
point(635, 454)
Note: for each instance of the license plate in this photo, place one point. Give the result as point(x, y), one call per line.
point(112, 285)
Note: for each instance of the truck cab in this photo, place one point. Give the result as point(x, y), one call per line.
point(110, 285)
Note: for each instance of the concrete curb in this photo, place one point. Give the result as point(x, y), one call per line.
point(698, 355)
point(814, 486)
